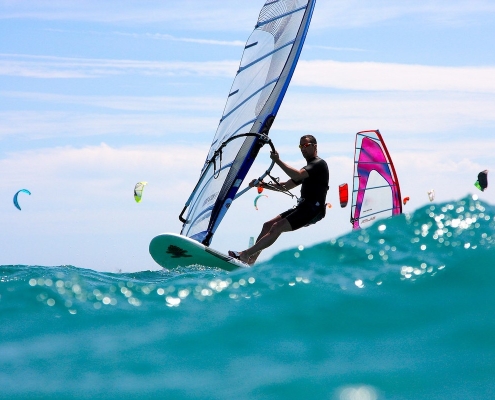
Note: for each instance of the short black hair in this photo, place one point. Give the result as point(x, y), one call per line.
point(311, 138)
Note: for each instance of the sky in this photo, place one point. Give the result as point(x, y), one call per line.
point(96, 96)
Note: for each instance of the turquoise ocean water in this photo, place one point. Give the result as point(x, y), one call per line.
point(402, 310)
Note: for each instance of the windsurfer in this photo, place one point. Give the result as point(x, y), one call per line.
point(311, 207)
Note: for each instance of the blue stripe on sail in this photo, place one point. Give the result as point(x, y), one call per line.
point(243, 126)
point(280, 16)
point(266, 55)
point(250, 45)
point(199, 236)
point(235, 132)
point(249, 98)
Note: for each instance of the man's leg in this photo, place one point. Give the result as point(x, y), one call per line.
point(275, 228)
point(266, 228)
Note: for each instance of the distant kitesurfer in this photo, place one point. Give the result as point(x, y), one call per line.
point(310, 208)
point(482, 182)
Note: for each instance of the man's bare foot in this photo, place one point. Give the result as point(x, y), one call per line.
point(240, 255)
point(244, 258)
point(254, 257)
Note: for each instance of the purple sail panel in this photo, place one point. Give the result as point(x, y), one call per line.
point(376, 192)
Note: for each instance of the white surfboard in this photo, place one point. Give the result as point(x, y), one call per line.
point(171, 250)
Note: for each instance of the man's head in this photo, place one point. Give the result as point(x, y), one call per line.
point(307, 144)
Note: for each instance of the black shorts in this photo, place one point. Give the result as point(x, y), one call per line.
point(304, 215)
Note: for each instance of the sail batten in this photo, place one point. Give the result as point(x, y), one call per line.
point(371, 188)
point(265, 55)
point(268, 62)
point(248, 98)
point(250, 45)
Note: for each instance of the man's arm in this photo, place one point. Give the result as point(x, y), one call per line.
point(296, 175)
point(290, 184)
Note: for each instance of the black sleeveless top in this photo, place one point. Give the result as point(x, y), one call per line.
point(314, 188)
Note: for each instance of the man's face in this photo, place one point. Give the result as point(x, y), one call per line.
point(308, 149)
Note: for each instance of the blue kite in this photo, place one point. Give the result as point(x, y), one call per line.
point(15, 197)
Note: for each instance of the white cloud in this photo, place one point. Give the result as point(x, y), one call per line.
point(197, 118)
point(132, 116)
point(214, 15)
point(362, 76)
point(54, 166)
point(351, 49)
point(50, 124)
point(50, 67)
point(393, 77)
point(160, 36)
point(407, 112)
point(129, 103)
point(358, 13)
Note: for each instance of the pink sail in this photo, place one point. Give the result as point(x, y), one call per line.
point(376, 191)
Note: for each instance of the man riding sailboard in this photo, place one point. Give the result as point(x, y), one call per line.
point(268, 62)
point(310, 208)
